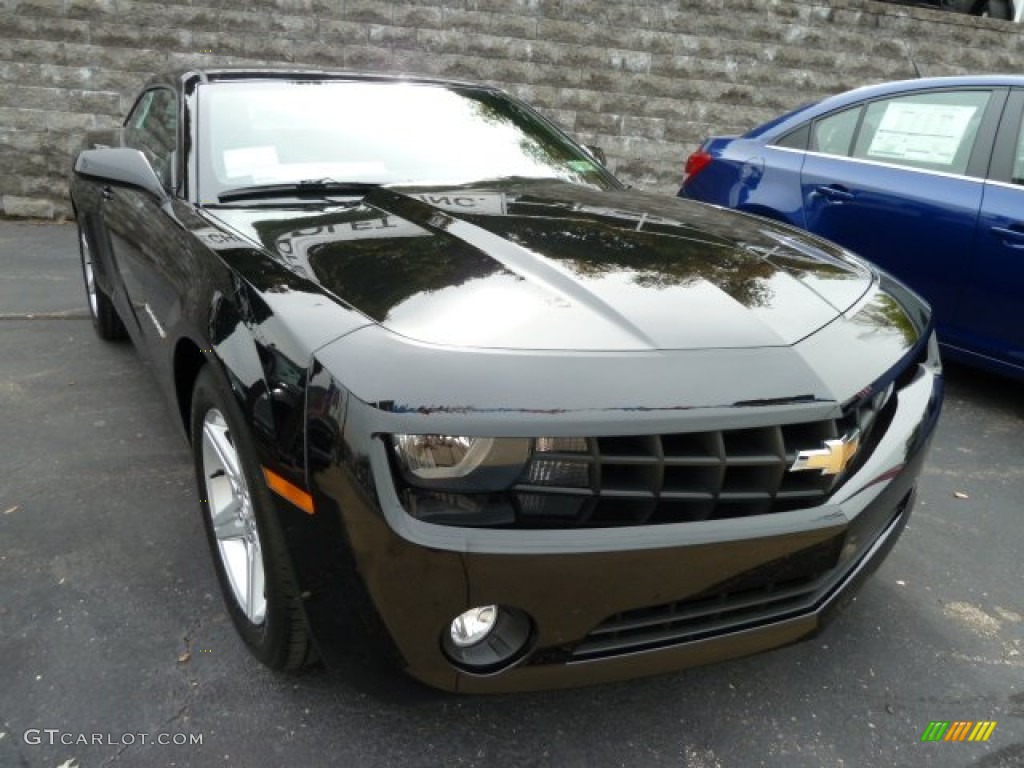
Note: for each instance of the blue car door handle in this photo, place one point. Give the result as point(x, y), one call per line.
point(834, 192)
point(1014, 238)
point(107, 193)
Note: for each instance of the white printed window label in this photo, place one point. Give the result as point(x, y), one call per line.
point(922, 133)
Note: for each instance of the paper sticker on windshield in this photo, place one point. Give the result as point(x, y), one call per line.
point(921, 133)
point(246, 161)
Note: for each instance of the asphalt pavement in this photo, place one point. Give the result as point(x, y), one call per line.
point(115, 648)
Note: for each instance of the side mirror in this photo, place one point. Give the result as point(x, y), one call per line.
point(120, 165)
point(597, 153)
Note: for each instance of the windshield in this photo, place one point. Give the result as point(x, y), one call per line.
point(283, 132)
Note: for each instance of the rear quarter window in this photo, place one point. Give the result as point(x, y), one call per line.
point(795, 139)
point(833, 135)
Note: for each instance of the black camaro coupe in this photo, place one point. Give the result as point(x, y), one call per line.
point(459, 399)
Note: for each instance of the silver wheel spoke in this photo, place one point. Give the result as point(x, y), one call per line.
point(255, 567)
point(231, 518)
point(218, 437)
point(226, 523)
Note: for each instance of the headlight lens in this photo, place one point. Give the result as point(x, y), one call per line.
point(459, 463)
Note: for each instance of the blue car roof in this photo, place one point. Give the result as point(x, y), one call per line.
point(790, 120)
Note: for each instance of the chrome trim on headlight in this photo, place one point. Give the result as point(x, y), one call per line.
point(460, 463)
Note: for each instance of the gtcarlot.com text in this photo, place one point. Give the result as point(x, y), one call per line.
point(52, 736)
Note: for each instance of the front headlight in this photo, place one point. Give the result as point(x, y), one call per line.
point(457, 463)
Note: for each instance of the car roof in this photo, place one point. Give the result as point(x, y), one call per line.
point(780, 125)
point(181, 78)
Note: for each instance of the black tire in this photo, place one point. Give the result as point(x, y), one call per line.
point(995, 9)
point(278, 635)
point(105, 320)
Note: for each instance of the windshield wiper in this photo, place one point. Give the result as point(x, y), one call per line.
point(298, 188)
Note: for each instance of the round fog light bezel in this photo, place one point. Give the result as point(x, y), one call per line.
point(503, 643)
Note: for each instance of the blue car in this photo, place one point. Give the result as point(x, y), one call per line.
point(924, 177)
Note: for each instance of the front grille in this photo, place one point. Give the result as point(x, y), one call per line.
point(773, 591)
point(683, 477)
point(603, 482)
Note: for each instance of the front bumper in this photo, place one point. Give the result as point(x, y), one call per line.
point(610, 604)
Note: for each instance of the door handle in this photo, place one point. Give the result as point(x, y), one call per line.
point(107, 193)
point(834, 192)
point(1014, 238)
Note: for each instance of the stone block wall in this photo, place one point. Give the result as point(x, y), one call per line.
point(644, 79)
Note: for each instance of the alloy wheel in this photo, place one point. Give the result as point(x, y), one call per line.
point(231, 515)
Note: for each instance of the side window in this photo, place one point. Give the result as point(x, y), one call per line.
point(1018, 159)
point(934, 131)
point(833, 135)
point(796, 139)
point(153, 128)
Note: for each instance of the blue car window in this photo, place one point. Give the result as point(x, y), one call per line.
point(796, 139)
point(833, 135)
point(933, 131)
point(1018, 159)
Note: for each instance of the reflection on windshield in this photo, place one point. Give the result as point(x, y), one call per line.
point(378, 132)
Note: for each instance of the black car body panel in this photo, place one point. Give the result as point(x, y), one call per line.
point(514, 308)
point(575, 267)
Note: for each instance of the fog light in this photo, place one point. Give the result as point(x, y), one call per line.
point(487, 638)
point(474, 625)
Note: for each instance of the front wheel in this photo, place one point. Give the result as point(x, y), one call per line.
point(105, 320)
point(244, 537)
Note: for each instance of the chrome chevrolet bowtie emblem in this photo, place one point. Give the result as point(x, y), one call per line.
point(833, 458)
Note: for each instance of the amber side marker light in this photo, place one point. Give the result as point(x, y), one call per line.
point(289, 491)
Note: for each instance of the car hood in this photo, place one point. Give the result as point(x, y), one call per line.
point(545, 265)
